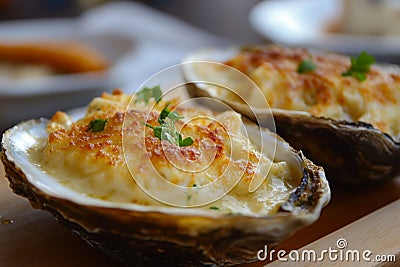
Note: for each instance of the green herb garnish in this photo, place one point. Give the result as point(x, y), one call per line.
point(306, 66)
point(360, 66)
point(97, 125)
point(185, 142)
point(149, 92)
point(166, 113)
point(167, 131)
point(214, 208)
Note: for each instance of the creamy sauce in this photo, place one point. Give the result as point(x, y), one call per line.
point(94, 165)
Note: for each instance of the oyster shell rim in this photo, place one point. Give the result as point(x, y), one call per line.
point(292, 217)
point(6, 156)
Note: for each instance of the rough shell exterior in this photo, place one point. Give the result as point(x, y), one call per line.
point(140, 238)
point(351, 152)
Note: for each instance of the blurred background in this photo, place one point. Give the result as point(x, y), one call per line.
point(59, 54)
point(226, 17)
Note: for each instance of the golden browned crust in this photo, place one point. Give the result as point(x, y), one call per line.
point(75, 142)
point(323, 79)
point(323, 91)
point(104, 146)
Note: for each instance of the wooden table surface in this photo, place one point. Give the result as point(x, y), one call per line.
point(30, 237)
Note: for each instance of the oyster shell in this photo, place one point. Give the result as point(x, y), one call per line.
point(351, 152)
point(138, 234)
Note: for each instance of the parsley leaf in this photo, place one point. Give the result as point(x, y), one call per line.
point(185, 142)
point(149, 92)
point(166, 130)
point(166, 113)
point(306, 66)
point(97, 125)
point(214, 208)
point(360, 66)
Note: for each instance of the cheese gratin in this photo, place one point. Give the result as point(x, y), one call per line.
point(93, 163)
point(323, 91)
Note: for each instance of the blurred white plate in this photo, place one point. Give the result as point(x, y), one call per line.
point(303, 23)
point(30, 98)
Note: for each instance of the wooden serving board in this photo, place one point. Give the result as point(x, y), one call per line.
point(367, 217)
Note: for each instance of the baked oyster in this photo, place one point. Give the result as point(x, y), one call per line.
point(79, 171)
point(342, 115)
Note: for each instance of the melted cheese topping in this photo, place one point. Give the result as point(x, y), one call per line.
point(93, 163)
point(323, 91)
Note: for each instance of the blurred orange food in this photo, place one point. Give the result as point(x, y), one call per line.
point(60, 56)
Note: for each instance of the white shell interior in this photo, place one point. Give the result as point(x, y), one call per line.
point(19, 140)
